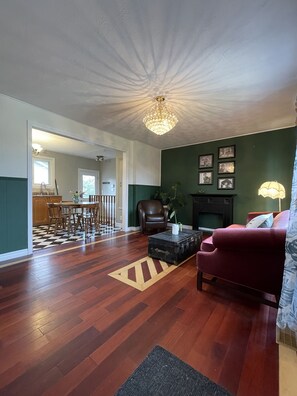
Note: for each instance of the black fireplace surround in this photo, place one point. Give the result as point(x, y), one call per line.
point(219, 204)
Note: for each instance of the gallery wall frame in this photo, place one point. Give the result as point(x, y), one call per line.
point(227, 152)
point(226, 167)
point(205, 161)
point(226, 183)
point(205, 178)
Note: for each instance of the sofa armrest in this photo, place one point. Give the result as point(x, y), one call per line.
point(249, 239)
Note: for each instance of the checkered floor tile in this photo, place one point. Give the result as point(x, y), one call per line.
point(42, 239)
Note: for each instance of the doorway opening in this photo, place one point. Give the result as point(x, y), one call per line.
point(76, 168)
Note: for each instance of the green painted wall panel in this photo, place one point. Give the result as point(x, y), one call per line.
point(259, 157)
point(136, 193)
point(14, 212)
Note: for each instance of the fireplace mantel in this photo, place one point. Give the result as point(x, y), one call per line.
point(220, 204)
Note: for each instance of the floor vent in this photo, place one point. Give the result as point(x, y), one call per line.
point(286, 337)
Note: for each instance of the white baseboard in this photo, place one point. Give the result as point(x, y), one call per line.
point(133, 229)
point(6, 257)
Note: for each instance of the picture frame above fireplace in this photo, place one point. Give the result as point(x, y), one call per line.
point(226, 183)
point(205, 177)
point(226, 152)
point(205, 161)
point(226, 167)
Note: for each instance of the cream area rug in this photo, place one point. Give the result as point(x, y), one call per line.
point(143, 273)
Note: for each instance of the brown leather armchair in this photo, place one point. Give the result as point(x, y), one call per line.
point(152, 215)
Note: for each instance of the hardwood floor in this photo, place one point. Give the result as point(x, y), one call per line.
point(66, 327)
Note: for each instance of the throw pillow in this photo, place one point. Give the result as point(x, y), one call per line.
point(262, 221)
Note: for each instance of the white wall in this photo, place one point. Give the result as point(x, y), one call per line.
point(143, 161)
point(146, 164)
point(108, 177)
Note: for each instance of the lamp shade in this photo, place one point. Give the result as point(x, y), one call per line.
point(272, 189)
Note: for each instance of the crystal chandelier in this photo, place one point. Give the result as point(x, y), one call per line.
point(159, 119)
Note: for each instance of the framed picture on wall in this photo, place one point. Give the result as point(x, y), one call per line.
point(226, 167)
point(205, 161)
point(227, 152)
point(205, 177)
point(226, 183)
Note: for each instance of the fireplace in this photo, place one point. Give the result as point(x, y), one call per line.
point(218, 207)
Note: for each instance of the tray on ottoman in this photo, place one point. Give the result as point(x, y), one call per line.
point(174, 248)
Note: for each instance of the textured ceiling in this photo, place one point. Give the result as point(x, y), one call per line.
point(227, 67)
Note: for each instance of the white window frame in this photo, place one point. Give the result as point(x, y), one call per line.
point(51, 176)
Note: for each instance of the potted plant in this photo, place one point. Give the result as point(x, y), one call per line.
point(174, 201)
point(162, 196)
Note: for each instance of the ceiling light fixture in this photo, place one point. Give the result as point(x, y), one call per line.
point(36, 148)
point(160, 119)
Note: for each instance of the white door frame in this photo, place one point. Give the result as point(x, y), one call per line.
point(49, 129)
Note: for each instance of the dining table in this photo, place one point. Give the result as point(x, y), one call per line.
point(82, 214)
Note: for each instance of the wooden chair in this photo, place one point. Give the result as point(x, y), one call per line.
point(88, 219)
point(58, 218)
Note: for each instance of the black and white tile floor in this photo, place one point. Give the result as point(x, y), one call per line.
point(42, 239)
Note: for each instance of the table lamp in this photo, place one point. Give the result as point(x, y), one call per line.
point(273, 189)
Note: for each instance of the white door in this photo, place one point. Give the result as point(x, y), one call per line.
point(88, 182)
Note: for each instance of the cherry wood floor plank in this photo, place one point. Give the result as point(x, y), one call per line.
point(70, 361)
point(118, 338)
point(66, 327)
point(38, 371)
point(72, 379)
point(136, 349)
point(107, 385)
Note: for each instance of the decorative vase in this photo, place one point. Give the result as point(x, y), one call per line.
point(175, 229)
point(75, 199)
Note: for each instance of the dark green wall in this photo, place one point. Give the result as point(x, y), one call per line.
point(13, 214)
point(260, 157)
point(136, 193)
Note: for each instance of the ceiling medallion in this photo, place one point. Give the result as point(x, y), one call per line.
point(160, 119)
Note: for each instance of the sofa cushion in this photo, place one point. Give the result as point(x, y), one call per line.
point(262, 221)
point(154, 217)
point(281, 220)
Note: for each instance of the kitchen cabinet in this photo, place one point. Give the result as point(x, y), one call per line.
point(40, 212)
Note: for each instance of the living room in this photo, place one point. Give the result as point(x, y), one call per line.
point(91, 72)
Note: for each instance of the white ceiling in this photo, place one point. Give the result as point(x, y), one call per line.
point(60, 144)
point(227, 67)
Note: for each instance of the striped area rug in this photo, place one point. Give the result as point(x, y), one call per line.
point(143, 273)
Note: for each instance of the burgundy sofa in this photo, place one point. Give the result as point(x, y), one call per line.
point(250, 257)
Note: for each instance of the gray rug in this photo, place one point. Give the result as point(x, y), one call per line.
point(163, 374)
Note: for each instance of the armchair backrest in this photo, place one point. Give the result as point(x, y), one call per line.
point(151, 206)
point(152, 215)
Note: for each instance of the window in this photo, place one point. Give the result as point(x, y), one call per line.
point(88, 182)
point(43, 172)
point(89, 185)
